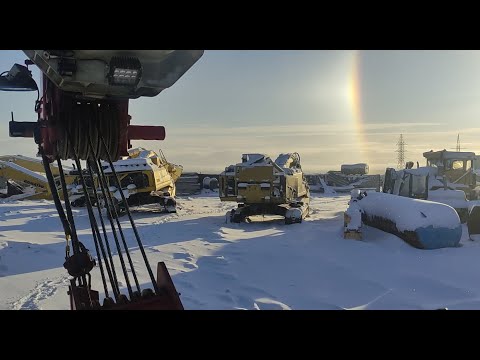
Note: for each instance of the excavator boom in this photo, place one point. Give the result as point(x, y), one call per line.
point(31, 163)
point(35, 186)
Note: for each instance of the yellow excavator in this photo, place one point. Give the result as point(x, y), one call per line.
point(21, 183)
point(29, 163)
point(145, 177)
point(24, 178)
point(263, 186)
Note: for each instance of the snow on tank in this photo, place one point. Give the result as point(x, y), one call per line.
point(421, 223)
point(409, 214)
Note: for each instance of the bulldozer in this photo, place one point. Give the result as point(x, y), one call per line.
point(448, 177)
point(262, 186)
point(145, 177)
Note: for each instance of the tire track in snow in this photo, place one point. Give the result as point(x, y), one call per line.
point(42, 291)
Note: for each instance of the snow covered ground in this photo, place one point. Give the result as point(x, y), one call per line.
point(261, 265)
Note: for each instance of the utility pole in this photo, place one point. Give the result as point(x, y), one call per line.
point(401, 153)
point(458, 143)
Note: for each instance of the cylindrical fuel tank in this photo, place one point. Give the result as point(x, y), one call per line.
point(422, 224)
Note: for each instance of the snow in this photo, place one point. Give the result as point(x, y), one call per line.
point(215, 264)
point(286, 160)
point(256, 160)
point(283, 159)
point(421, 171)
point(355, 213)
point(454, 198)
point(129, 165)
point(463, 155)
point(327, 189)
point(407, 213)
point(250, 159)
point(141, 152)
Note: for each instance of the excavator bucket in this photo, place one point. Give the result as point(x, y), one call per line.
point(82, 298)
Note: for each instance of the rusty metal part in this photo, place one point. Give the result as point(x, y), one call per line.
point(83, 298)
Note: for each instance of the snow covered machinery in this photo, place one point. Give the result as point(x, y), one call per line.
point(262, 186)
point(447, 178)
point(82, 114)
point(145, 177)
point(25, 179)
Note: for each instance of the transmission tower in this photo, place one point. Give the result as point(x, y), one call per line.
point(458, 142)
point(401, 153)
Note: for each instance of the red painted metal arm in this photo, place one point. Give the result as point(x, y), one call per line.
point(141, 132)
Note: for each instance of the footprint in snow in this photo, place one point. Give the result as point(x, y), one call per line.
point(41, 292)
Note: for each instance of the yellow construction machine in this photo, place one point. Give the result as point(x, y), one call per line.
point(262, 186)
point(145, 177)
point(24, 178)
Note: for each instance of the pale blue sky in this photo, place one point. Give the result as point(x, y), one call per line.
point(231, 102)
